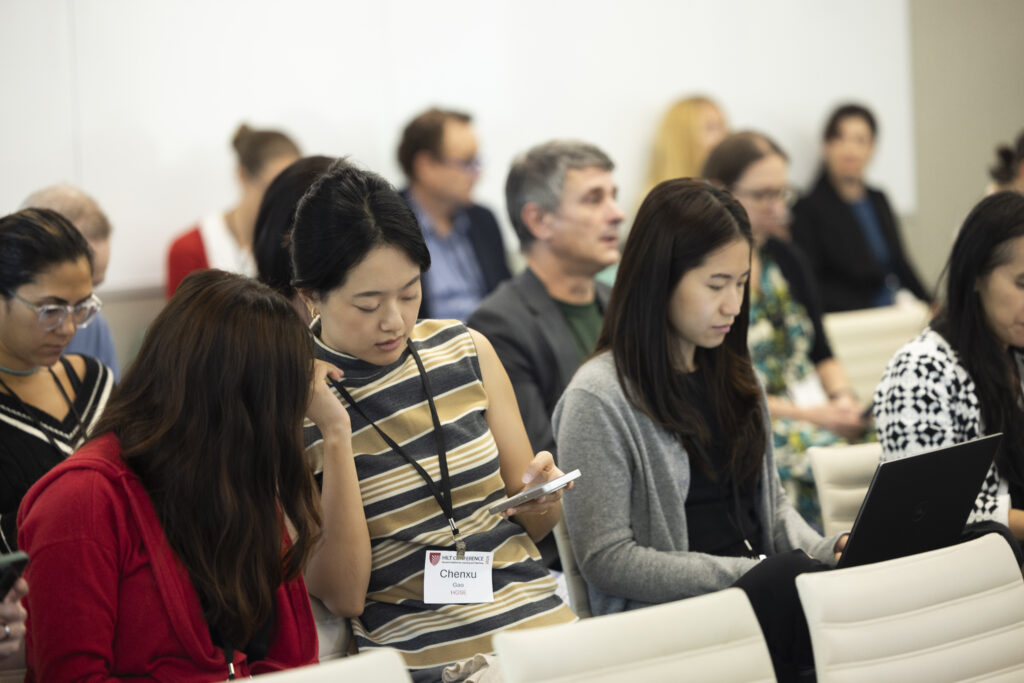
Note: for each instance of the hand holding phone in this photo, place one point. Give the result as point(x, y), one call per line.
point(11, 567)
point(534, 492)
point(12, 614)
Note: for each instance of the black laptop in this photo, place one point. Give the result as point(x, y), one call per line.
point(919, 503)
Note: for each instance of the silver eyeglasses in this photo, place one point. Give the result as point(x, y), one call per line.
point(787, 195)
point(52, 316)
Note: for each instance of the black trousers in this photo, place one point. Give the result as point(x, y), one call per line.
point(771, 589)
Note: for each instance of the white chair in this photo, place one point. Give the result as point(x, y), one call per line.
point(842, 475)
point(864, 341)
point(334, 633)
point(711, 637)
point(377, 665)
point(954, 614)
point(579, 598)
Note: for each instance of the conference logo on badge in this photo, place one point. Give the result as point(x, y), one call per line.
point(435, 558)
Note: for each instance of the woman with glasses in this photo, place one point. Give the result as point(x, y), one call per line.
point(848, 229)
point(48, 401)
point(809, 396)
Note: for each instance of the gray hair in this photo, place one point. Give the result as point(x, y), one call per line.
point(538, 176)
point(79, 208)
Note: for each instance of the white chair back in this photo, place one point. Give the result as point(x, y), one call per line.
point(864, 341)
point(954, 614)
point(579, 598)
point(711, 637)
point(377, 665)
point(334, 633)
point(842, 475)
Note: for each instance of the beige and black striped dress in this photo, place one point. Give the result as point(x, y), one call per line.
point(404, 518)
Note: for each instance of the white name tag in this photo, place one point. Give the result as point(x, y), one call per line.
point(447, 579)
point(808, 391)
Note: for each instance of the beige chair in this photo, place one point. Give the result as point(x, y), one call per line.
point(842, 475)
point(579, 599)
point(711, 637)
point(864, 341)
point(377, 665)
point(954, 614)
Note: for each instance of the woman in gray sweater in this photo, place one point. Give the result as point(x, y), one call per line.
point(680, 495)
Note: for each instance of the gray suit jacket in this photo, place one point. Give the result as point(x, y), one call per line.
point(533, 341)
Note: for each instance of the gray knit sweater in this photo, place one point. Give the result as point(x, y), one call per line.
point(627, 514)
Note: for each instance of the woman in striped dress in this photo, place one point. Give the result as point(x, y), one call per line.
point(48, 401)
point(436, 439)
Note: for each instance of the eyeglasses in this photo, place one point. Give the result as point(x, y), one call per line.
point(787, 195)
point(470, 165)
point(52, 316)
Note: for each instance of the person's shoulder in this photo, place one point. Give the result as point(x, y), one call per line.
point(87, 480)
point(432, 331)
point(507, 298)
point(478, 213)
point(92, 371)
point(187, 242)
point(927, 354)
point(597, 376)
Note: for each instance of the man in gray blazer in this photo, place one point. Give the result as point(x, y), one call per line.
point(544, 322)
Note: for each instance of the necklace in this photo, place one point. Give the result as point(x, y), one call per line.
point(19, 373)
point(31, 413)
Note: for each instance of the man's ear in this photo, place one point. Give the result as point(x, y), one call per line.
point(422, 164)
point(536, 221)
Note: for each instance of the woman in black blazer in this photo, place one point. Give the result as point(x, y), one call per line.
point(847, 229)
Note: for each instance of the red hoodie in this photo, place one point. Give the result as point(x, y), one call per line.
point(109, 598)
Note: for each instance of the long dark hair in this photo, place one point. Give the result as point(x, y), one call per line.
point(980, 247)
point(345, 214)
point(678, 225)
point(275, 218)
point(209, 415)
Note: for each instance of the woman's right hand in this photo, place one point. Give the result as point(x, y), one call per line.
point(12, 615)
point(324, 409)
point(843, 418)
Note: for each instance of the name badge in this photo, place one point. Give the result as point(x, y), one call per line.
point(447, 579)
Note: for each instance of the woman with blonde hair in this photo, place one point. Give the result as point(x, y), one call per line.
point(689, 130)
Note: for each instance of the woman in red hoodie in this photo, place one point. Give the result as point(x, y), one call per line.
point(172, 545)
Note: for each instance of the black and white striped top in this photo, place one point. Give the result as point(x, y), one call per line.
point(405, 520)
point(26, 453)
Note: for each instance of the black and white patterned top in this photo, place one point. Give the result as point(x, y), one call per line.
point(927, 400)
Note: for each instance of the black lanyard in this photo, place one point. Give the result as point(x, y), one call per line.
point(442, 495)
point(30, 413)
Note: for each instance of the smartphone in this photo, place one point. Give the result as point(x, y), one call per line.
point(534, 492)
point(11, 567)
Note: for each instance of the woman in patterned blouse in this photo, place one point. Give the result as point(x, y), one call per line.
point(961, 377)
point(808, 393)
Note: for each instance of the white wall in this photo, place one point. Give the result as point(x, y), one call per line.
point(135, 100)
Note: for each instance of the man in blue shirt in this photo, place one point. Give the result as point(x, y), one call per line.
point(85, 214)
point(438, 154)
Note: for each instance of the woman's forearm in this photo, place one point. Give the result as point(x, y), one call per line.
point(339, 571)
